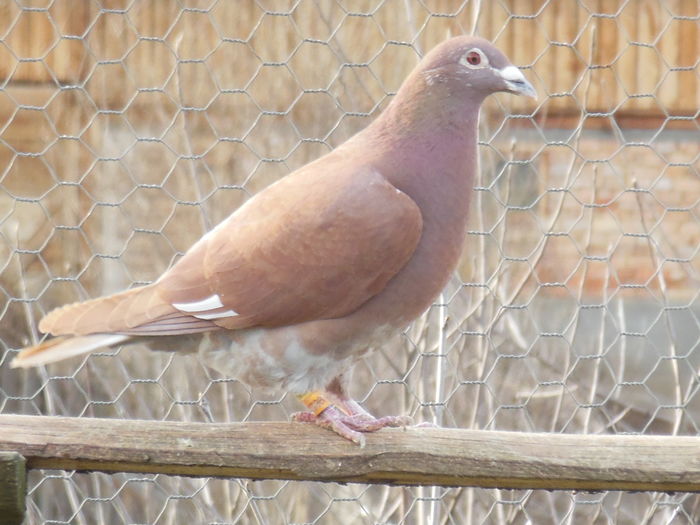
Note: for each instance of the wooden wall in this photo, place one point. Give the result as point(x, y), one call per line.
point(639, 56)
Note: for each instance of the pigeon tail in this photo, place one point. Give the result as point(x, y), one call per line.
point(61, 348)
point(121, 312)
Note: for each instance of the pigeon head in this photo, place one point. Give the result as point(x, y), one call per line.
point(447, 87)
point(474, 67)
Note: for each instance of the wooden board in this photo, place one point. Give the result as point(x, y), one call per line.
point(411, 456)
point(644, 48)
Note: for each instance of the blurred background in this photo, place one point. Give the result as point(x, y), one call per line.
point(130, 128)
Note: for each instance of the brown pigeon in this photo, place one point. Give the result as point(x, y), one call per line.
point(302, 279)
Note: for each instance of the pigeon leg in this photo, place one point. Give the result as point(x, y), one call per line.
point(334, 410)
point(324, 413)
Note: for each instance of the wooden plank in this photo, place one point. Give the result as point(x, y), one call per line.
point(670, 47)
point(605, 91)
point(70, 60)
point(628, 62)
point(411, 456)
point(38, 36)
point(649, 65)
point(13, 488)
point(565, 67)
point(689, 49)
point(524, 30)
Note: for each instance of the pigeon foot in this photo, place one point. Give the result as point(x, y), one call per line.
point(345, 417)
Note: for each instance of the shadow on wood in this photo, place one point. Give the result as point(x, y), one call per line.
point(411, 456)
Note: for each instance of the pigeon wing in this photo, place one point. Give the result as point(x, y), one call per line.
point(315, 245)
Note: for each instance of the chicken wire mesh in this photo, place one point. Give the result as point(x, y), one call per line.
point(128, 129)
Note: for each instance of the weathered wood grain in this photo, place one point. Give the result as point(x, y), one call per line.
point(13, 488)
point(412, 456)
point(42, 46)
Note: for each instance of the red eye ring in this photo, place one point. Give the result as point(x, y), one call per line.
point(473, 58)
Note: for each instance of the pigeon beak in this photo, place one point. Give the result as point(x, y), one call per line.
point(516, 82)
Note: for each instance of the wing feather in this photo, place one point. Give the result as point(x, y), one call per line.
point(312, 246)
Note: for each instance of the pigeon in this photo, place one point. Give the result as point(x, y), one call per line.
point(301, 280)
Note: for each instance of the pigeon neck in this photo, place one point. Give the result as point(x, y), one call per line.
point(427, 107)
point(435, 131)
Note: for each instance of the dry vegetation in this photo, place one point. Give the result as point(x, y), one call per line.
point(575, 306)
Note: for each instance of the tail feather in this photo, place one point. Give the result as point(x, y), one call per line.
point(120, 312)
point(85, 327)
point(60, 348)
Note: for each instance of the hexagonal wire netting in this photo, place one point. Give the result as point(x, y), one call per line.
point(129, 128)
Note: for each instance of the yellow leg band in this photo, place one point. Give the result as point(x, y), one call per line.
point(315, 401)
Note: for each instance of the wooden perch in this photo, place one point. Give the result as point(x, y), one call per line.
point(412, 456)
point(13, 487)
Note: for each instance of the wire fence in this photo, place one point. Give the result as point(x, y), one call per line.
point(128, 129)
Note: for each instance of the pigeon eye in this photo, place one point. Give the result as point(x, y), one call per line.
point(473, 58)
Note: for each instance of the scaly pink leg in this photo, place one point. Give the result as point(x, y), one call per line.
point(343, 416)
